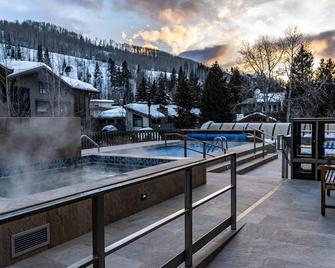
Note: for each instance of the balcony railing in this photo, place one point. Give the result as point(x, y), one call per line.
point(100, 251)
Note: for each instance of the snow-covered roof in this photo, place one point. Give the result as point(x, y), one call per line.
point(118, 112)
point(143, 108)
point(80, 85)
point(273, 97)
point(256, 113)
point(19, 67)
point(23, 66)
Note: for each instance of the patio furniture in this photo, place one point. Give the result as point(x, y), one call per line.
point(327, 183)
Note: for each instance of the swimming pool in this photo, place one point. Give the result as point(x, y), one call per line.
point(175, 149)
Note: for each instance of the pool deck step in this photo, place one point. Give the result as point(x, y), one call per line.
point(256, 163)
point(223, 166)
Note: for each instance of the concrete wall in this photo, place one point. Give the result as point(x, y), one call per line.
point(38, 139)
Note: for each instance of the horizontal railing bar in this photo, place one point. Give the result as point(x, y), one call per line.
point(195, 150)
point(16, 214)
point(83, 262)
point(137, 235)
point(190, 138)
point(146, 230)
point(179, 259)
point(211, 196)
point(175, 261)
point(201, 242)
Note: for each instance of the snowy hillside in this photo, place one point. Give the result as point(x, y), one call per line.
point(84, 67)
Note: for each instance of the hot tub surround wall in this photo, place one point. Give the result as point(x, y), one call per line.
point(74, 220)
point(30, 140)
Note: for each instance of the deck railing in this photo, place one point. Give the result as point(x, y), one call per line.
point(100, 251)
point(123, 137)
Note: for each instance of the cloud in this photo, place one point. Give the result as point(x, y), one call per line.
point(168, 11)
point(323, 44)
point(206, 55)
point(89, 4)
point(175, 37)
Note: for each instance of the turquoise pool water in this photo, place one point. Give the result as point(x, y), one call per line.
point(175, 149)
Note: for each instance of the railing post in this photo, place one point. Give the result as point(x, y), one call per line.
point(204, 150)
point(188, 217)
point(165, 140)
point(254, 141)
point(185, 146)
point(233, 191)
point(98, 232)
point(263, 141)
point(283, 163)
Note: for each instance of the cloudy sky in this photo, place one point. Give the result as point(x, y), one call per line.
point(205, 30)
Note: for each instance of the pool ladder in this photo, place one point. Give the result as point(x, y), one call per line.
point(219, 142)
point(90, 140)
point(206, 146)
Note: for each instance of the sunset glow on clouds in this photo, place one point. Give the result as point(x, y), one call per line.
point(205, 30)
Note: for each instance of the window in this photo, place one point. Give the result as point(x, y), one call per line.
point(43, 88)
point(275, 107)
point(3, 94)
point(137, 120)
point(42, 107)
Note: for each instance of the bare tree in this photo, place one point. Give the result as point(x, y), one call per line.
point(263, 58)
point(291, 42)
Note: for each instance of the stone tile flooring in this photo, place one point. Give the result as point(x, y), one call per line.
point(286, 230)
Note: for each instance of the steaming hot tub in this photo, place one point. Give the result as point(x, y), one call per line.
point(21, 181)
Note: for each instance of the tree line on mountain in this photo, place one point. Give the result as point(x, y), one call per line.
point(56, 39)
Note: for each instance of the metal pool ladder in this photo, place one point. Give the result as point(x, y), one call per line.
point(221, 140)
point(90, 140)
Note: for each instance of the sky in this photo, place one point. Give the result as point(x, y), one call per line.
point(204, 30)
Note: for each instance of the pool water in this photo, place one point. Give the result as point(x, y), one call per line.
point(41, 181)
point(176, 149)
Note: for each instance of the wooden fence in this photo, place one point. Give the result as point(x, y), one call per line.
point(123, 137)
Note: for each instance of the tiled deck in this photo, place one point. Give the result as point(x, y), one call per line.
point(285, 230)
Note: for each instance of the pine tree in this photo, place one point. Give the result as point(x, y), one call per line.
point(184, 102)
point(142, 90)
point(125, 72)
point(172, 83)
point(153, 92)
point(161, 96)
point(111, 74)
point(18, 53)
point(98, 79)
point(87, 77)
point(236, 88)
point(39, 53)
point(64, 66)
point(216, 102)
point(195, 89)
point(12, 53)
point(325, 84)
point(301, 80)
point(46, 58)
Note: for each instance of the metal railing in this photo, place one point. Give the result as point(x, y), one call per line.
point(90, 140)
point(100, 251)
point(262, 138)
point(185, 138)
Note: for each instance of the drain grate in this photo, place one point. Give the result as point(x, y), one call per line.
point(30, 240)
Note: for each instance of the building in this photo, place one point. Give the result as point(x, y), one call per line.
point(33, 89)
point(100, 105)
point(161, 116)
point(115, 116)
point(260, 100)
